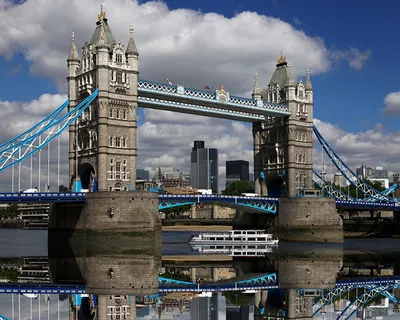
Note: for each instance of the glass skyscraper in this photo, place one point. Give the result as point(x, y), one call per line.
point(204, 167)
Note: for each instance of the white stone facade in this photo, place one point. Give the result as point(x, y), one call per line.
point(107, 142)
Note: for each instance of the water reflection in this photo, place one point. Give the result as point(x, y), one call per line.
point(129, 276)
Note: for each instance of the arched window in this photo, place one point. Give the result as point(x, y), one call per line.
point(118, 113)
point(110, 112)
point(110, 141)
point(117, 142)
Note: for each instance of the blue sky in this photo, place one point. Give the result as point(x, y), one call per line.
point(350, 47)
point(344, 96)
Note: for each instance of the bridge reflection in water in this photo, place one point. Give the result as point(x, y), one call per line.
point(108, 275)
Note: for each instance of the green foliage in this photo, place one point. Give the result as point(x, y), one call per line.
point(177, 276)
point(237, 188)
point(9, 274)
point(177, 210)
point(237, 298)
point(9, 212)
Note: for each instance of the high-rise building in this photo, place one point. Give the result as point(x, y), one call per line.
point(142, 174)
point(338, 179)
point(204, 167)
point(237, 170)
point(375, 175)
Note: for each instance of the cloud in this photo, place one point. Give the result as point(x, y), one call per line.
point(392, 104)
point(355, 57)
point(187, 46)
point(373, 147)
point(207, 47)
point(297, 21)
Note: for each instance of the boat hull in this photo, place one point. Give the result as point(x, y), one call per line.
point(231, 242)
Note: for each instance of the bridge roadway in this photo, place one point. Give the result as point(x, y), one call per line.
point(261, 204)
point(182, 286)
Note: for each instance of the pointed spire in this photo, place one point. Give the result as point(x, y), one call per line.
point(102, 14)
point(73, 53)
point(290, 79)
point(308, 80)
point(102, 37)
point(256, 88)
point(131, 49)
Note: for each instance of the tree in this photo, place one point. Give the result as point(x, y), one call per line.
point(177, 210)
point(10, 211)
point(237, 188)
point(237, 298)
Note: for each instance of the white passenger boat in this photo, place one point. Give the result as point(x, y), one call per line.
point(247, 250)
point(234, 237)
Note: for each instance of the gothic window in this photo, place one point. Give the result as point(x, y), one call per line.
point(125, 114)
point(118, 58)
point(118, 112)
point(301, 94)
point(302, 137)
point(298, 108)
point(119, 77)
point(117, 142)
point(118, 170)
point(110, 113)
point(110, 141)
point(123, 142)
point(124, 162)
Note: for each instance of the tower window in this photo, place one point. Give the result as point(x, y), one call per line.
point(125, 114)
point(110, 113)
point(118, 58)
point(117, 142)
point(119, 77)
point(110, 141)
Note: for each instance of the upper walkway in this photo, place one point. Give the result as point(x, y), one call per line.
point(218, 104)
point(258, 204)
point(267, 281)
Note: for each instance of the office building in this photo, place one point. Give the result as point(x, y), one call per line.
point(375, 175)
point(142, 174)
point(204, 167)
point(237, 170)
point(171, 178)
point(338, 180)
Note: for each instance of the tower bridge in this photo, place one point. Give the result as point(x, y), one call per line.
point(104, 93)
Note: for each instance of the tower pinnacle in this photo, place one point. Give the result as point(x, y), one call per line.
point(73, 53)
point(131, 49)
point(256, 89)
point(102, 14)
point(308, 80)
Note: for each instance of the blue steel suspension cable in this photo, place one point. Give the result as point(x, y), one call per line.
point(358, 183)
point(72, 116)
point(34, 136)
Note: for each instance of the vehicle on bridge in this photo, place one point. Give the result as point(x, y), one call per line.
point(234, 237)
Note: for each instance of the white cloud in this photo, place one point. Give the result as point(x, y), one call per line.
point(187, 46)
point(374, 147)
point(355, 57)
point(392, 104)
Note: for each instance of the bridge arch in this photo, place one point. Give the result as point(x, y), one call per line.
point(276, 186)
point(87, 174)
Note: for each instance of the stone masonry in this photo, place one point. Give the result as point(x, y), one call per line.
point(283, 146)
point(102, 143)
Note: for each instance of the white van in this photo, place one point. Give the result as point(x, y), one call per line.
point(30, 191)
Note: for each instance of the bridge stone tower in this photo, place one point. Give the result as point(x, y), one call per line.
point(283, 146)
point(102, 143)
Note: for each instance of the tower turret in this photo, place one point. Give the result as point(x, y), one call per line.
point(73, 63)
point(106, 146)
point(290, 85)
point(256, 89)
point(308, 86)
